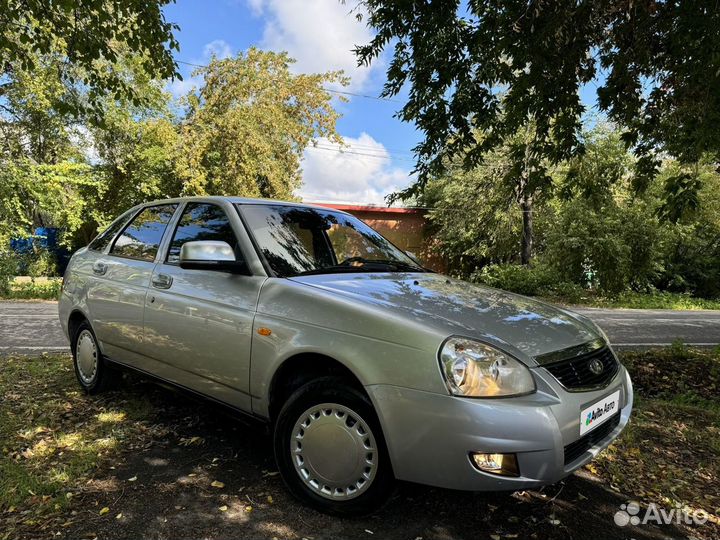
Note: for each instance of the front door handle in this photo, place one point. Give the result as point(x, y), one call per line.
point(99, 268)
point(161, 281)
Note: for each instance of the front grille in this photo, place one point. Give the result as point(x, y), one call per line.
point(575, 374)
point(576, 449)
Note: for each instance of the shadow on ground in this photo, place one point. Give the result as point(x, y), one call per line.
point(165, 490)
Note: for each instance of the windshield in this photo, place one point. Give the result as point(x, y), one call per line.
point(300, 241)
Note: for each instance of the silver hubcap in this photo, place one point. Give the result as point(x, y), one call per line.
point(334, 451)
point(87, 357)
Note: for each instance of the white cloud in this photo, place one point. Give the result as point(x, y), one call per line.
point(219, 48)
point(256, 6)
point(180, 88)
point(319, 34)
point(362, 173)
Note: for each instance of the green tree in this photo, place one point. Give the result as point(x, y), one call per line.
point(494, 66)
point(31, 126)
point(136, 150)
point(246, 129)
point(33, 195)
point(690, 248)
point(62, 172)
point(86, 35)
point(485, 215)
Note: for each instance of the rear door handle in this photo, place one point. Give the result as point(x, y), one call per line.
point(161, 281)
point(99, 268)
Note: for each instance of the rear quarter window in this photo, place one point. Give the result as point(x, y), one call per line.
point(104, 239)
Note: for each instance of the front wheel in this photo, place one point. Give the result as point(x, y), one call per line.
point(330, 449)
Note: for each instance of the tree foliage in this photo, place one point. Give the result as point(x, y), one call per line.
point(136, 149)
point(486, 213)
point(33, 195)
point(87, 36)
point(592, 228)
point(493, 66)
point(243, 133)
point(246, 130)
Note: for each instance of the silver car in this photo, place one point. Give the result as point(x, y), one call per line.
point(368, 367)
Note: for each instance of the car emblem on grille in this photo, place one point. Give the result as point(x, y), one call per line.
point(596, 366)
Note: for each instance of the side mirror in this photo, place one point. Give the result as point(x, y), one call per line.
point(211, 255)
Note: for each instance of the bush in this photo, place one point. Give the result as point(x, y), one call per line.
point(35, 290)
point(528, 280)
point(42, 263)
point(8, 267)
point(515, 278)
point(611, 248)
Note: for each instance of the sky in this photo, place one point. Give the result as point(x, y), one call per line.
point(320, 36)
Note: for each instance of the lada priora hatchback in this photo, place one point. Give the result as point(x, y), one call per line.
point(368, 367)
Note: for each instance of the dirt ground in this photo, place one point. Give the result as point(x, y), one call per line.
point(193, 470)
point(165, 491)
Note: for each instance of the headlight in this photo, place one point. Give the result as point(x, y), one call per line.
point(476, 369)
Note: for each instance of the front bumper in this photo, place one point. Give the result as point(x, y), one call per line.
point(430, 436)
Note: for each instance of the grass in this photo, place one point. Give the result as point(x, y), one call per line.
point(636, 300)
point(57, 444)
point(24, 288)
point(53, 437)
point(669, 453)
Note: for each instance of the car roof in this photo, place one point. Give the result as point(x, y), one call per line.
point(237, 200)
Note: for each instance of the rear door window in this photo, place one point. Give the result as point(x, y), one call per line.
point(141, 238)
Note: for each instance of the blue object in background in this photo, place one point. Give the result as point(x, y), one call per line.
point(46, 239)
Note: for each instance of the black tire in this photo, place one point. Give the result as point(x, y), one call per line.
point(333, 390)
point(104, 377)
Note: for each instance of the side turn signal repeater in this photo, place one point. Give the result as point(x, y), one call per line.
point(264, 331)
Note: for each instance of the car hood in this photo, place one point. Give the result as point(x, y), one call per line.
point(510, 321)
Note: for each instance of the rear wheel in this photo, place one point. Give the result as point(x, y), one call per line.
point(330, 449)
point(92, 372)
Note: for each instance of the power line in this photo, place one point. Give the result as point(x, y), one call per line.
point(331, 90)
point(378, 98)
point(386, 156)
point(375, 148)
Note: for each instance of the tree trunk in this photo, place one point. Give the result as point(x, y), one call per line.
point(526, 244)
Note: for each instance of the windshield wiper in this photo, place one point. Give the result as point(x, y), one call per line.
point(367, 265)
point(398, 264)
point(343, 269)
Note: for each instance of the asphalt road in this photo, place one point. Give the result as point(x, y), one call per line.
point(33, 327)
point(639, 328)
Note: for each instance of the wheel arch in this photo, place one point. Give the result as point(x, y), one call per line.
point(301, 368)
point(75, 318)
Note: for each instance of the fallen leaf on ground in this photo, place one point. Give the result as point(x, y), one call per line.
point(217, 484)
